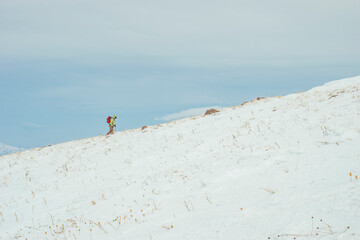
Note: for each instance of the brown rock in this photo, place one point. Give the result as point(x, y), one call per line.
point(210, 111)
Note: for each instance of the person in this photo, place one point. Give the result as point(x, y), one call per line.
point(112, 125)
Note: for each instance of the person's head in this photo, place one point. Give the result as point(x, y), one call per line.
point(114, 117)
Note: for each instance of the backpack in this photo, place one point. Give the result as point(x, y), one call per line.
point(108, 119)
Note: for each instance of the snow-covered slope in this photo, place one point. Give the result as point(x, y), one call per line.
point(6, 149)
point(274, 168)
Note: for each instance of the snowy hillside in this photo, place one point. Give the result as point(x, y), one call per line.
point(6, 149)
point(273, 168)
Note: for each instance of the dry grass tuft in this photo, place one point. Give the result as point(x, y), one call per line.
point(268, 190)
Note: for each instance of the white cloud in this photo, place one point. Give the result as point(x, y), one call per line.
point(186, 113)
point(31, 125)
point(203, 32)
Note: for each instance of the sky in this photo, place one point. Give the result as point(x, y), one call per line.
point(67, 65)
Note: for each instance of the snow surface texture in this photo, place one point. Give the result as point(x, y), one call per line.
point(6, 149)
point(274, 168)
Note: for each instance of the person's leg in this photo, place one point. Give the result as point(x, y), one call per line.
point(111, 130)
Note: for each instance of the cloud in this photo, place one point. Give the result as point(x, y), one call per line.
point(207, 33)
point(30, 125)
point(186, 113)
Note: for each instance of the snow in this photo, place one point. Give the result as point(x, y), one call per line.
point(6, 149)
point(274, 168)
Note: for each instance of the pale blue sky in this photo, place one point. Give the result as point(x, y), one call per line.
point(66, 65)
